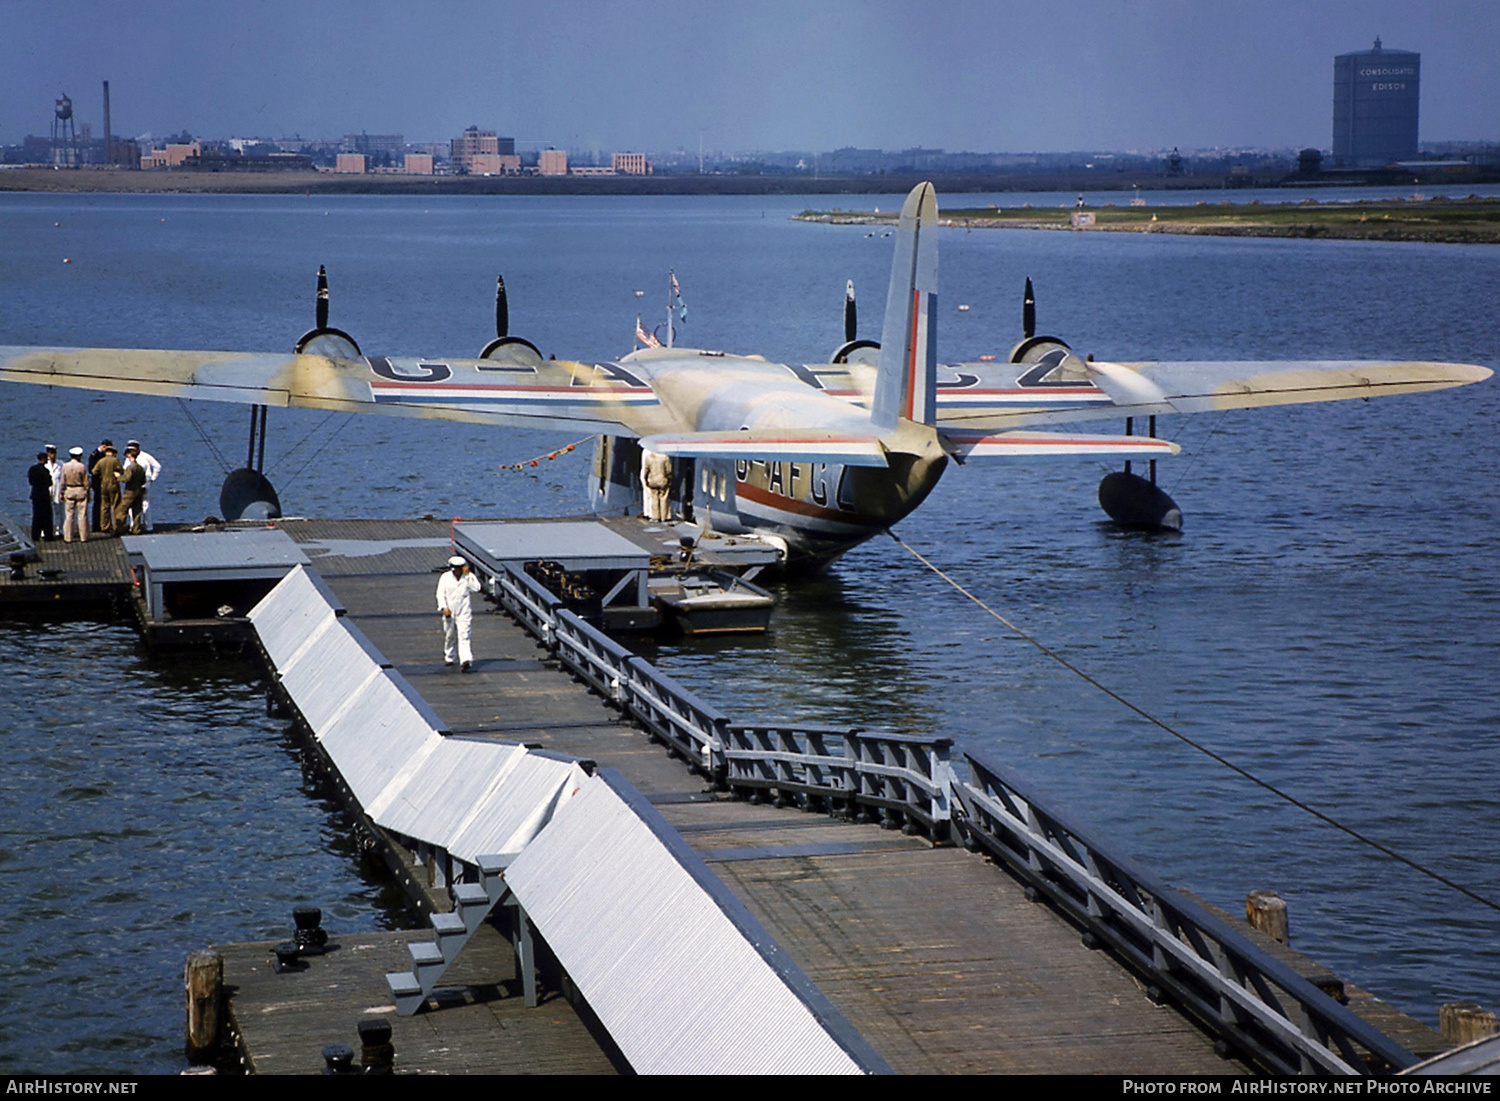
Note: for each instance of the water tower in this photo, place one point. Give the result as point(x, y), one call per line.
point(64, 136)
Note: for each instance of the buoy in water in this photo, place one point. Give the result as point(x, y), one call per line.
point(1133, 502)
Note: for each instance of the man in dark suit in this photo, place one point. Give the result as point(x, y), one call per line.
point(39, 477)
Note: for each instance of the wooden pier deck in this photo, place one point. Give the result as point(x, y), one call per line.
point(74, 578)
point(934, 955)
point(483, 1027)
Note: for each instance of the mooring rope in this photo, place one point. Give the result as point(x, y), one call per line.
point(1265, 785)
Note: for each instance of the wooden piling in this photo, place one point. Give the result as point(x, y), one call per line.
point(1464, 1022)
point(1266, 912)
point(203, 977)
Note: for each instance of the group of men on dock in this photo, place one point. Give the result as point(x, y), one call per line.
point(61, 493)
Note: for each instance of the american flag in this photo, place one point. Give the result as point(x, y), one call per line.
point(643, 337)
point(677, 296)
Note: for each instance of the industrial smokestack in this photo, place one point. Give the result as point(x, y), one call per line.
point(109, 145)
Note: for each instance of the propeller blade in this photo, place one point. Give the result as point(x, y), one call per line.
point(502, 308)
point(322, 311)
point(851, 315)
point(1028, 312)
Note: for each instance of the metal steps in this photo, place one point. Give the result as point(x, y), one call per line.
point(472, 903)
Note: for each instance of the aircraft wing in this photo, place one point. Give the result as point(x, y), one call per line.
point(996, 397)
point(551, 394)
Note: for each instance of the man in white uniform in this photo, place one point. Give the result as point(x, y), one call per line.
point(152, 466)
point(453, 591)
point(55, 469)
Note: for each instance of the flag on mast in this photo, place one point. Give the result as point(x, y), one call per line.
point(643, 337)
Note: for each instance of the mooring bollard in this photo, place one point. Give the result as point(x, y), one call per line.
point(377, 1055)
point(338, 1059)
point(1265, 911)
point(288, 957)
point(1464, 1022)
point(203, 978)
point(310, 936)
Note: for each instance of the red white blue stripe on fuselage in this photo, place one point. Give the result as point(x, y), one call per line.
point(801, 503)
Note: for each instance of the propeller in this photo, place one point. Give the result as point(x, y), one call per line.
point(515, 351)
point(322, 340)
point(321, 316)
point(853, 350)
point(1033, 348)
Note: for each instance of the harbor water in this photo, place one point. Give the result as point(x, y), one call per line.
point(1329, 619)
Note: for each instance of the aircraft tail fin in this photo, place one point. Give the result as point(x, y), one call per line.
point(906, 381)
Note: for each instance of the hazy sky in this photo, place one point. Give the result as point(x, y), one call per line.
point(1000, 75)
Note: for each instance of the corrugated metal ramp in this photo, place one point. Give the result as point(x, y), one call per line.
point(684, 978)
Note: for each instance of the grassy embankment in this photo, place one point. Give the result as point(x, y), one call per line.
point(1464, 221)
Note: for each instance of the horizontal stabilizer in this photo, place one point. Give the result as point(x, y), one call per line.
point(1011, 445)
point(805, 447)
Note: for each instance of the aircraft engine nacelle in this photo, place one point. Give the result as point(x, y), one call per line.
point(1035, 348)
point(857, 351)
point(514, 351)
point(321, 339)
point(853, 350)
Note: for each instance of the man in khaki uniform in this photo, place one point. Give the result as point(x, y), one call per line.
point(107, 470)
point(75, 490)
point(128, 513)
point(656, 479)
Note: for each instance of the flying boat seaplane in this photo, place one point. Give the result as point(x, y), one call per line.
point(815, 457)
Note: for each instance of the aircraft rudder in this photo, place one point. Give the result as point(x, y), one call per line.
point(906, 379)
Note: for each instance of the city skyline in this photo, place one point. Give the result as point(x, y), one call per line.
point(766, 75)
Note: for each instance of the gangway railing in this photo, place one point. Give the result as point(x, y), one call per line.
point(1258, 1005)
point(904, 781)
point(1254, 1001)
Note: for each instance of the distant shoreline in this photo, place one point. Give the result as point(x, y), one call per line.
point(179, 181)
point(1445, 221)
